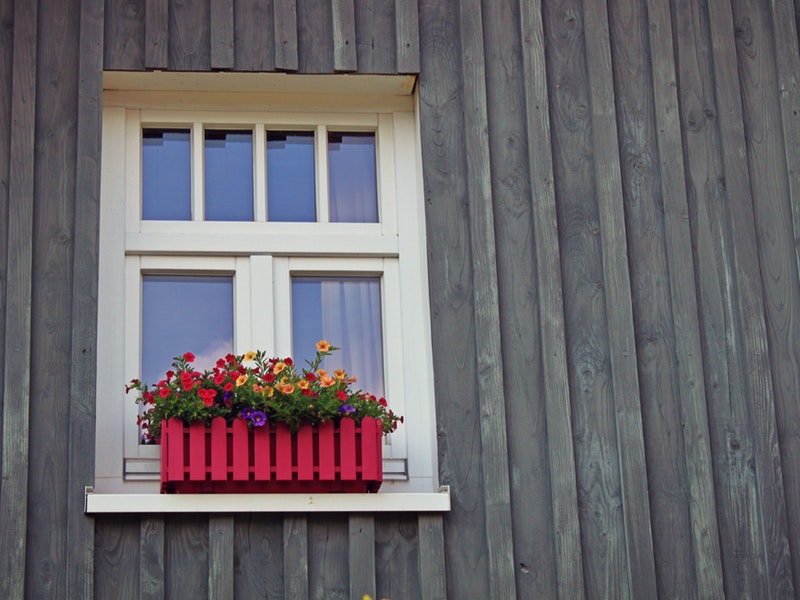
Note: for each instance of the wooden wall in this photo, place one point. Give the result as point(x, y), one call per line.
point(612, 200)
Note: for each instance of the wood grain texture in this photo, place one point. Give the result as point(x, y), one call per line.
point(156, 34)
point(344, 35)
point(124, 35)
point(220, 556)
point(554, 383)
point(689, 370)
point(221, 34)
point(522, 347)
point(397, 557)
point(253, 34)
point(328, 557)
point(19, 258)
point(186, 554)
point(375, 36)
point(315, 42)
point(756, 46)
point(361, 555)
point(787, 71)
point(622, 345)
point(748, 307)
point(57, 59)
point(116, 558)
point(494, 445)
point(295, 557)
point(83, 355)
point(258, 548)
point(189, 35)
point(151, 557)
point(432, 578)
point(407, 32)
point(285, 39)
point(452, 315)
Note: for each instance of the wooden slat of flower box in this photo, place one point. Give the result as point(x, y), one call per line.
point(261, 455)
point(219, 450)
point(305, 453)
point(197, 451)
point(241, 454)
point(327, 452)
point(283, 452)
point(369, 463)
point(347, 467)
point(175, 449)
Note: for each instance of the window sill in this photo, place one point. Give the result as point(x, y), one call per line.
point(266, 503)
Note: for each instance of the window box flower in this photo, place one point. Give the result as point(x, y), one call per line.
point(258, 424)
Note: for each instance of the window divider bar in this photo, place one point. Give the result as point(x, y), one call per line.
point(323, 202)
point(260, 172)
point(198, 177)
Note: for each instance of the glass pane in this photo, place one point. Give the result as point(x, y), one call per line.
point(229, 175)
point(291, 194)
point(185, 313)
point(346, 311)
point(351, 178)
point(166, 175)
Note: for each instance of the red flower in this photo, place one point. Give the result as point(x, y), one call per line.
point(188, 357)
point(207, 396)
point(382, 402)
point(341, 395)
point(163, 392)
point(289, 362)
point(230, 358)
point(269, 377)
point(219, 379)
point(221, 363)
point(310, 376)
point(228, 386)
point(170, 374)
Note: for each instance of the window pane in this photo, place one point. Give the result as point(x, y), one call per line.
point(351, 178)
point(166, 175)
point(346, 311)
point(185, 313)
point(291, 194)
point(229, 175)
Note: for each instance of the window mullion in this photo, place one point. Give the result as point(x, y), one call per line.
point(198, 177)
point(260, 172)
point(323, 205)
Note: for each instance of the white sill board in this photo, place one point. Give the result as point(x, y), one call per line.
point(267, 503)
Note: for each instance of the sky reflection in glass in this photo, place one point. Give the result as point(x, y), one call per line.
point(291, 194)
point(346, 311)
point(351, 178)
point(185, 313)
point(166, 175)
point(229, 175)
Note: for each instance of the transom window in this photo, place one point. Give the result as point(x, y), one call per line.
point(230, 230)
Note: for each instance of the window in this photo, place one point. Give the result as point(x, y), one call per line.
point(227, 227)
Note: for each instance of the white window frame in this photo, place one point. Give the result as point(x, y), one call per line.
point(262, 256)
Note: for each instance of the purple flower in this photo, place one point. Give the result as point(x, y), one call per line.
point(258, 418)
point(246, 413)
point(346, 408)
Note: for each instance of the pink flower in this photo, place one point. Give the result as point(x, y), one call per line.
point(188, 357)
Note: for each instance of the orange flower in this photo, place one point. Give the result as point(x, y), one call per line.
point(279, 366)
point(323, 346)
point(322, 373)
point(326, 381)
point(340, 374)
point(241, 380)
point(302, 384)
point(249, 355)
point(285, 388)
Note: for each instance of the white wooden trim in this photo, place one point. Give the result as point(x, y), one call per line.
point(262, 304)
point(132, 195)
point(272, 120)
point(321, 174)
point(267, 503)
point(385, 175)
point(260, 172)
point(198, 173)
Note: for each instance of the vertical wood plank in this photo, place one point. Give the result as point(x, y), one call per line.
point(253, 46)
point(285, 40)
point(622, 347)
point(362, 556)
point(407, 36)
point(344, 36)
point(432, 578)
point(347, 445)
point(186, 563)
point(494, 446)
point(241, 454)
point(758, 394)
point(305, 453)
point(116, 558)
point(328, 570)
point(314, 37)
point(124, 35)
point(549, 287)
point(283, 452)
point(375, 36)
point(220, 459)
point(295, 557)
point(397, 558)
point(220, 556)
point(697, 459)
point(262, 458)
point(327, 452)
point(16, 377)
point(83, 354)
point(189, 35)
point(258, 548)
point(222, 50)
point(151, 558)
point(197, 451)
point(156, 34)
point(6, 75)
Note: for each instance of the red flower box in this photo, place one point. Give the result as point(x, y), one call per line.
point(238, 459)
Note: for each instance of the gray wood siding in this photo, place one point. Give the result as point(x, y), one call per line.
point(611, 192)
